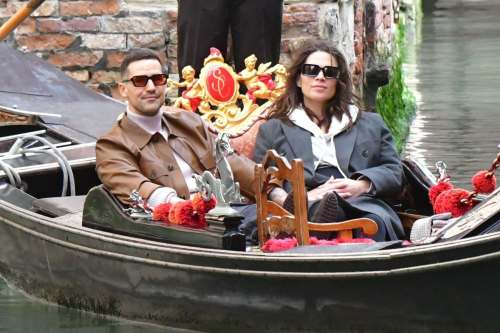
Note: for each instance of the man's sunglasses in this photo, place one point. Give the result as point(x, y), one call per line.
point(329, 72)
point(142, 80)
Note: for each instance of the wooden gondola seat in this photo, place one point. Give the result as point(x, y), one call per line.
point(273, 219)
point(59, 206)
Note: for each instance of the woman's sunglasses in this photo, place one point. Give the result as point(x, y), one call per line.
point(329, 72)
point(142, 80)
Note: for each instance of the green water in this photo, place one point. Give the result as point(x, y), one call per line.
point(19, 313)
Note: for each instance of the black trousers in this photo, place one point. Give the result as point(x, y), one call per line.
point(255, 28)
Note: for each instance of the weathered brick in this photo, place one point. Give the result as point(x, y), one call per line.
point(48, 8)
point(81, 75)
point(131, 25)
point(174, 67)
point(303, 8)
point(146, 41)
point(358, 47)
point(286, 9)
point(3, 12)
point(295, 31)
point(115, 59)
point(105, 77)
point(27, 27)
point(46, 42)
point(87, 8)
point(77, 24)
point(306, 17)
point(172, 38)
point(285, 45)
point(83, 59)
point(358, 15)
point(104, 41)
point(313, 30)
point(96, 88)
point(172, 14)
point(288, 19)
point(172, 51)
point(115, 92)
point(387, 21)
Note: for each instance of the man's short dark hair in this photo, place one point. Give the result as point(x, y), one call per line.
point(136, 55)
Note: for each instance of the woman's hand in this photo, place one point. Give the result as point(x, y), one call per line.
point(346, 188)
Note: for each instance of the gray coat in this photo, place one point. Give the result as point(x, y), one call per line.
point(366, 150)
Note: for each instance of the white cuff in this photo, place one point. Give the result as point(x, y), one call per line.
point(161, 195)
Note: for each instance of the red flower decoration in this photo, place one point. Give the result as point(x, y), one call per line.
point(436, 190)
point(202, 222)
point(483, 184)
point(172, 215)
point(184, 214)
point(451, 201)
point(201, 206)
point(162, 211)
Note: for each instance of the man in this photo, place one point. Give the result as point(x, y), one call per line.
point(156, 152)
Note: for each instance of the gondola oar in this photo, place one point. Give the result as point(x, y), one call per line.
point(19, 17)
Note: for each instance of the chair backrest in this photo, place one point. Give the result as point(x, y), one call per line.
point(281, 220)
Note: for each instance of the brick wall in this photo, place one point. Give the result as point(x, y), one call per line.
point(88, 39)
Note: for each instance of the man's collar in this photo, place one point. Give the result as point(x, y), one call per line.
point(141, 137)
point(138, 135)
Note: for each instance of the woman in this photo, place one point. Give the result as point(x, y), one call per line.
point(350, 162)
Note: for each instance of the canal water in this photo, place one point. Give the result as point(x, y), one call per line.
point(455, 74)
point(22, 314)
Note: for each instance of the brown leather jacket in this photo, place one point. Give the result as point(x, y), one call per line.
point(129, 158)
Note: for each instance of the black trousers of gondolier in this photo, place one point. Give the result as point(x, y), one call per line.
point(255, 29)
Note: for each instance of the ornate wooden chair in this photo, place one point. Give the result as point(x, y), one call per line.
point(273, 219)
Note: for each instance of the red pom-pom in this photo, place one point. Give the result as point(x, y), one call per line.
point(198, 221)
point(450, 201)
point(276, 245)
point(484, 184)
point(184, 214)
point(201, 206)
point(172, 215)
point(162, 211)
point(436, 190)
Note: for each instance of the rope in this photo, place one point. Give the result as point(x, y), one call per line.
point(54, 152)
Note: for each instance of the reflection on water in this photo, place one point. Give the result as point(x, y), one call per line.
point(457, 81)
point(19, 313)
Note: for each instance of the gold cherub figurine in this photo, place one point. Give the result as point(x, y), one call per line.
point(258, 82)
point(192, 96)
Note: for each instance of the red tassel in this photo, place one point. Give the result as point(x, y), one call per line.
point(184, 214)
point(172, 215)
point(436, 190)
point(201, 206)
point(451, 201)
point(162, 211)
point(276, 245)
point(484, 184)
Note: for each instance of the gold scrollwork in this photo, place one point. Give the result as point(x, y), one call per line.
point(227, 115)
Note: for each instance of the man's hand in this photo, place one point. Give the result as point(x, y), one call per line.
point(175, 200)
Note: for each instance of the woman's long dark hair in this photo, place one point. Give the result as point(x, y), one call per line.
point(293, 97)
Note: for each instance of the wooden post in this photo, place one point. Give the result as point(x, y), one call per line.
point(19, 17)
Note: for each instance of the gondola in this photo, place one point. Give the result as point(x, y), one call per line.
point(84, 251)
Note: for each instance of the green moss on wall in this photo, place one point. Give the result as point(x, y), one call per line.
point(395, 103)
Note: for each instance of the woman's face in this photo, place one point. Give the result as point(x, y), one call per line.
point(318, 90)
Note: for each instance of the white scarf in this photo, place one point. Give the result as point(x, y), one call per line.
point(323, 145)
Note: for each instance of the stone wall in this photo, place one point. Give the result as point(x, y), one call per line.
point(88, 39)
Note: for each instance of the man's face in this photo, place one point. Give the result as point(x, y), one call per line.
point(146, 100)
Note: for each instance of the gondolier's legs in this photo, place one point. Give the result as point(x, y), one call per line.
point(255, 26)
